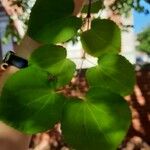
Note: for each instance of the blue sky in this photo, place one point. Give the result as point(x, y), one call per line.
point(141, 20)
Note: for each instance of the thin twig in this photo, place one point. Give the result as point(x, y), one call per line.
point(88, 17)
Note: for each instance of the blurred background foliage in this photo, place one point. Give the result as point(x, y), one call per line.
point(143, 39)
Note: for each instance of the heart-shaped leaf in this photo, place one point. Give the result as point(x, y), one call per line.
point(47, 55)
point(53, 59)
point(100, 121)
point(52, 21)
point(29, 102)
point(104, 37)
point(113, 72)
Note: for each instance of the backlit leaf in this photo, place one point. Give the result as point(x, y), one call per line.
point(29, 102)
point(64, 71)
point(104, 37)
point(113, 72)
point(47, 55)
point(52, 21)
point(53, 59)
point(99, 121)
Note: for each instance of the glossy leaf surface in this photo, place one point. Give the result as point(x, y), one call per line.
point(29, 102)
point(113, 72)
point(100, 121)
point(104, 37)
point(52, 21)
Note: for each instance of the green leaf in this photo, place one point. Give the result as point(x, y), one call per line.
point(113, 72)
point(47, 55)
point(100, 121)
point(52, 21)
point(104, 37)
point(52, 58)
point(29, 102)
point(96, 6)
point(64, 71)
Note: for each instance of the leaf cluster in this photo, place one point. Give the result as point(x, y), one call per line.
point(31, 99)
point(121, 7)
